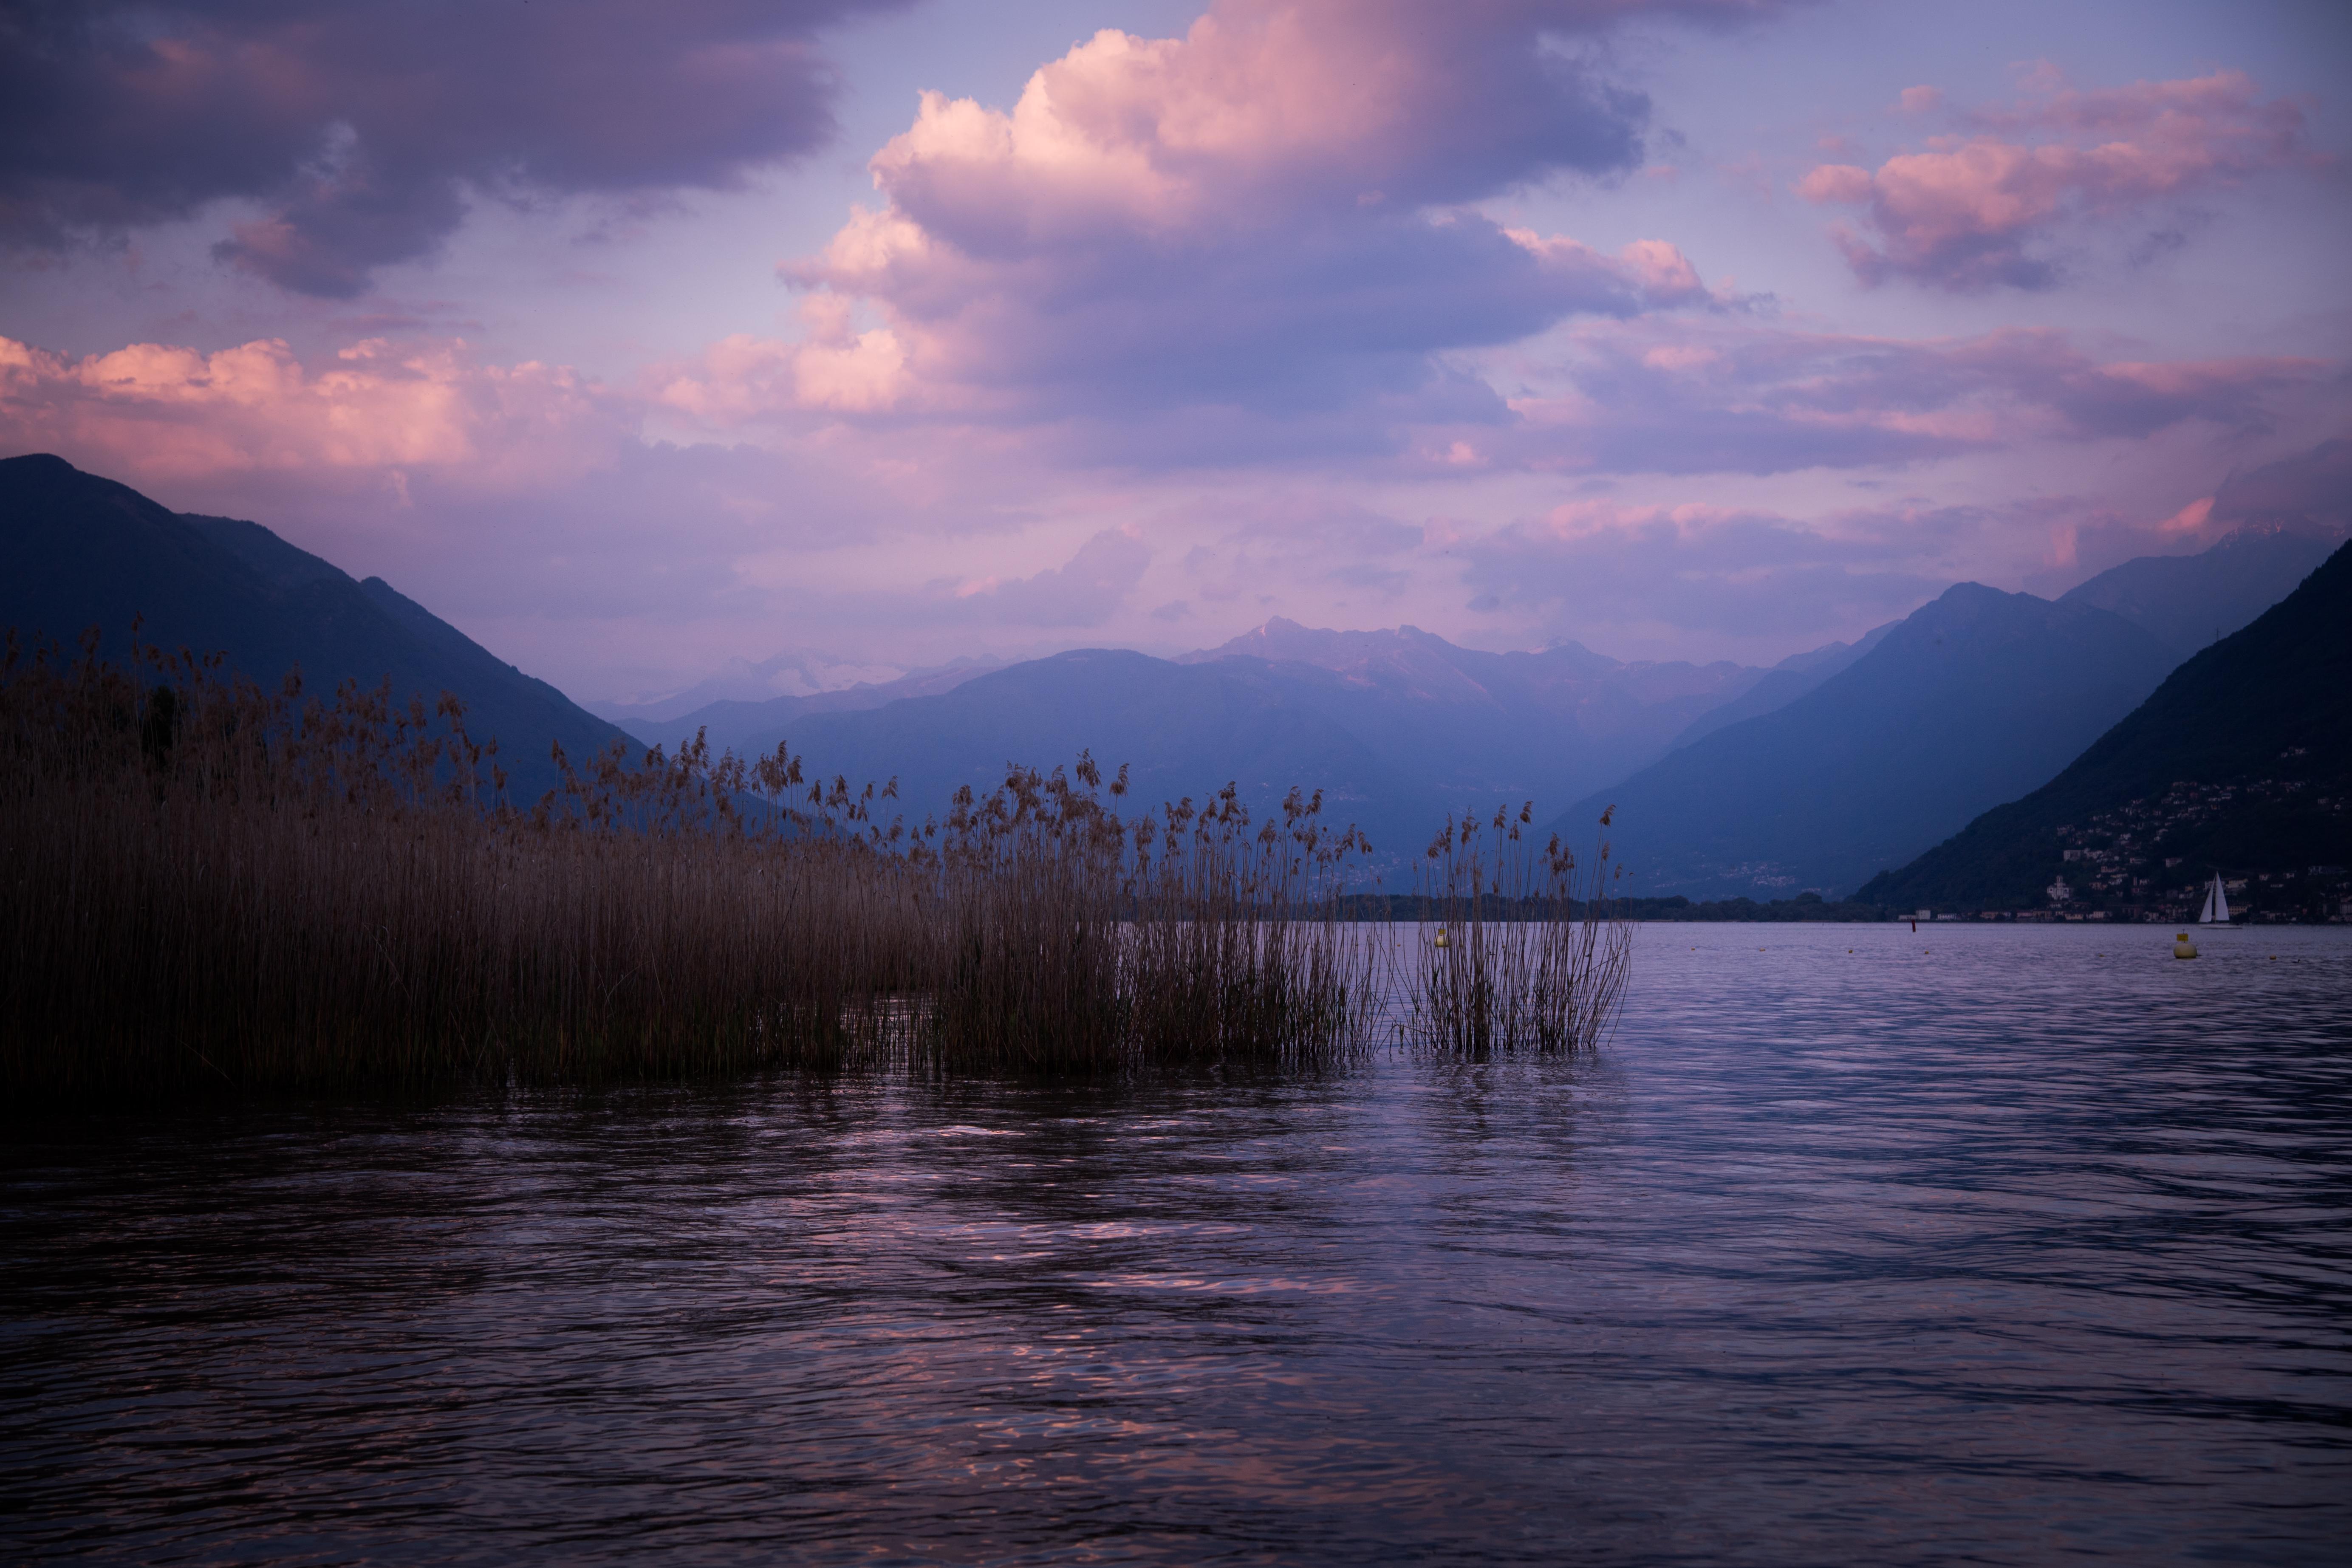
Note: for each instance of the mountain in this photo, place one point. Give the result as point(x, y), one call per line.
point(746, 696)
point(1974, 698)
point(77, 551)
point(1475, 728)
point(2187, 602)
point(1182, 729)
point(1402, 724)
point(2242, 762)
point(1783, 684)
point(753, 725)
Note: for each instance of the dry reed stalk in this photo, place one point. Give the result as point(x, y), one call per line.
point(212, 883)
point(1079, 942)
point(1516, 950)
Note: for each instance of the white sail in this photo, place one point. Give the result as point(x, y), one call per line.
point(2217, 905)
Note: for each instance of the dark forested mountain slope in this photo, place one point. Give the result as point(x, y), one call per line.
point(77, 551)
point(2239, 762)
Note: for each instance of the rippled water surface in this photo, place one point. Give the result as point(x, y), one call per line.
point(1974, 1246)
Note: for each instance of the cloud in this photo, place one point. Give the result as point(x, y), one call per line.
point(1968, 213)
point(1590, 567)
point(833, 368)
point(1266, 215)
point(1083, 591)
point(360, 128)
point(155, 413)
point(1740, 396)
point(2309, 490)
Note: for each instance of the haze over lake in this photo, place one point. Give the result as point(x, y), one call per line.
point(1998, 1244)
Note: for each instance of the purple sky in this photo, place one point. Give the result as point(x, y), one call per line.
point(635, 340)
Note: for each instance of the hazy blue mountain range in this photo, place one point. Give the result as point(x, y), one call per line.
point(1834, 765)
point(1973, 700)
point(2241, 762)
point(77, 551)
point(1182, 730)
point(1472, 727)
point(1398, 726)
point(2189, 602)
point(748, 695)
point(1783, 684)
point(1449, 722)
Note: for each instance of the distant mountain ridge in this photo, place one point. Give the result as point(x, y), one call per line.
point(2190, 602)
point(1440, 724)
point(753, 725)
point(1733, 781)
point(79, 550)
point(1783, 684)
point(1476, 727)
point(1973, 698)
point(745, 694)
point(1180, 729)
point(2241, 762)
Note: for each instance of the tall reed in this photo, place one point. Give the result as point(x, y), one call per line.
point(211, 882)
point(1517, 950)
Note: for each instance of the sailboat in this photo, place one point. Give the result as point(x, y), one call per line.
point(2217, 905)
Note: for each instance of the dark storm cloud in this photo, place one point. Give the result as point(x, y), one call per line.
point(361, 125)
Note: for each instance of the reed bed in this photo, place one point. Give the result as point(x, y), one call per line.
point(212, 883)
point(1520, 953)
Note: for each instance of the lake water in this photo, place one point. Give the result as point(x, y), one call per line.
point(1979, 1246)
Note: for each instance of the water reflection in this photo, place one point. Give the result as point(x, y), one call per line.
point(1973, 1246)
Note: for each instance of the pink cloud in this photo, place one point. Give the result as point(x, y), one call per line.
point(1264, 214)
point(1731, 394)
point(833, 368)
point(1962, 214)
point(150, 413)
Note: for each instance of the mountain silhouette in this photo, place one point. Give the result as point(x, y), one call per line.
point(1973, 698)
point(1475, 729)
point(1406, 724)
point(1180, 729)
point(2241, 761)
point(2189, 602)
point(1783, 684)
point(77, 551)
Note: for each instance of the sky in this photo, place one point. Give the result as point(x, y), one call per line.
point(852, 336)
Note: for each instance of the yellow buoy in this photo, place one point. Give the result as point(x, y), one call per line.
point(2182, 947)
point(1441, 941)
